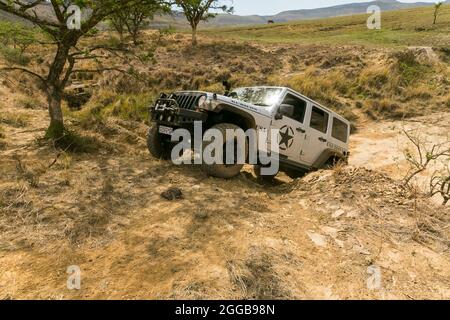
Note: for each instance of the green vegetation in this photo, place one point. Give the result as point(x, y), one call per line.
point(196, 11)
point(409, 68)
point(398, 28)
point(105, 104)
point(15, 40)
point(71, 141)
point(16, 120)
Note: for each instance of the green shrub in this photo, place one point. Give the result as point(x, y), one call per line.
point(409, 69)
point(106, 104)
point(71, 141)
point(16, 35)
point(14, 56)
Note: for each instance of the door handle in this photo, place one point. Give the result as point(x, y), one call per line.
point(323, 139)
point(301, 130)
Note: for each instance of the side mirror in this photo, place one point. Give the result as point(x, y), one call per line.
point(285, 110)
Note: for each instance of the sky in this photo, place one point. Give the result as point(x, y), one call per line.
point(271, 7)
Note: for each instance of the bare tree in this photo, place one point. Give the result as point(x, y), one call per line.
point(437, 8)
point(440, 184)
point(65, 39)
point(423, 155)
point(200, 10)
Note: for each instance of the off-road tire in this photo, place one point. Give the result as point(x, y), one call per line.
point(334, 162)
point(257, 171)
point(295, 174)
point(155, 144)
point(221, 170)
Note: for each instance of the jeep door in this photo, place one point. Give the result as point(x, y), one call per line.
point(292, 128)
point(317, 134)
point(339, 135)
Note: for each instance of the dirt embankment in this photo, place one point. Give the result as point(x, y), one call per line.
point(323, 236)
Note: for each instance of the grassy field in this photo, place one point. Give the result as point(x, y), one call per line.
point(398, 28)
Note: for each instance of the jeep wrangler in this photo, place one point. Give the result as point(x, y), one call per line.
point(310, 136)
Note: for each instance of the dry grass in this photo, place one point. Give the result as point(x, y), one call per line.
point(256, 277)
point(17, 120)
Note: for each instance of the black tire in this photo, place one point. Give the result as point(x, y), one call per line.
point(156, 145)
point(222, 170)
point(295, 174)
point(257, 170)
point(333, 162)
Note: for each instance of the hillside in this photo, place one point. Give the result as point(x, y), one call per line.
point(409, 27)
point(291, 15)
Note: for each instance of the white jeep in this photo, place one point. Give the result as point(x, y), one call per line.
point(310, 136)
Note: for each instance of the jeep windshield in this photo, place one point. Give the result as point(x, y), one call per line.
point(263, 97)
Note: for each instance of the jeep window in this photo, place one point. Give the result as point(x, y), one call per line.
point(340, 130)
point(319, 120)
point(299, 107)
point(263, 97)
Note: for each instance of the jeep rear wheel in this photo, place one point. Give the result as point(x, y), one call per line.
point(257, 170)
point(225, 171)
point(158, 147)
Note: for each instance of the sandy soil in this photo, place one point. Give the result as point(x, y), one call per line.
point(315, 238)
point(382, 146)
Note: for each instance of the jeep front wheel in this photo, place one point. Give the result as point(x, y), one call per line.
point(158, 148)
point(223, 170)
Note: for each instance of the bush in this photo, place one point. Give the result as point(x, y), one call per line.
point(409, 69)
point(30, 103)
point(14, 56)
point(16, 35)
point(71, 141)
point(106, 104)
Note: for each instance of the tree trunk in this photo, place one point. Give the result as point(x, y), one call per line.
point(56, 128)
point(55, 89)
point(194, 36)
point(135, 35)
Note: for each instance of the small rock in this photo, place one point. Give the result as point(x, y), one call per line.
point(201, 215)
point(337, 213)
point(172, 194)
point(353, 214)
point(318, 239)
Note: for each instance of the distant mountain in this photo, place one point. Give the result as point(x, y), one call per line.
point(303, 14)
point(344, 10)
point(177, 18)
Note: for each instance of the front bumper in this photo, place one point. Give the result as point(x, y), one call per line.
point(167, 112)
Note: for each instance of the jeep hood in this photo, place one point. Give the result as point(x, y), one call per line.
point(216, 101)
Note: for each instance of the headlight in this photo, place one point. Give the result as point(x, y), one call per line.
point(201, 101)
